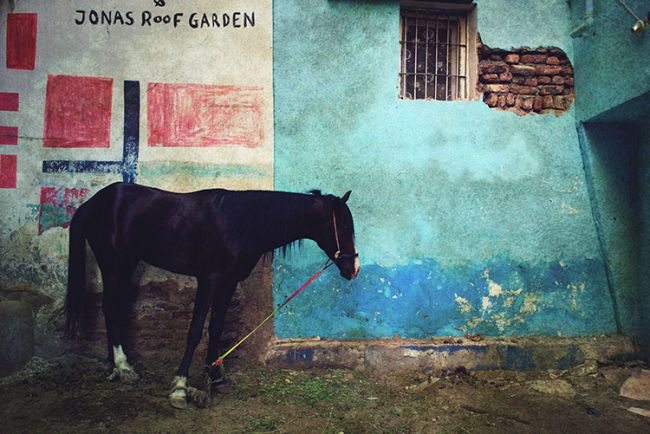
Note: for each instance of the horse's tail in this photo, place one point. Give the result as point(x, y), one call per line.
point(75, 297)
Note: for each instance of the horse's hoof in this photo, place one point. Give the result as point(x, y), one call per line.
point(217, 384)
point(198, 397)
point(124, 375)
point(223, 387)
point(178, 401)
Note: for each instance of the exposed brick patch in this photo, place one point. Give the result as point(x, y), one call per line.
point(526, 80)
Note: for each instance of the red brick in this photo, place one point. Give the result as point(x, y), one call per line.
point(491, 99)
point(560, 103)
point(519, 101)
point(505, 77)
point(501, 102)
point(523, 70)
point(512, 58)
point(567, 70)
point(492, 68)
point(523, 90)
point(533, 58)
point(532, 81)
point(510, 99)
point(544, 79)
point(548, 70)
point(538, 103)
point(489, 78)
point(568, 81)
point(558, 79)
point(552, 60)
point(548, 101)
point(499, 88)
point(528, 104)
point(519, 80)
point(551, 90)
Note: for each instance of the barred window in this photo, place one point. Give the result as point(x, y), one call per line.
point(434, 54)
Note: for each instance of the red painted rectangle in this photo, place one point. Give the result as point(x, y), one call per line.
point(8, 165)
point(204, 115)
point(58, 205)
point(9, 101)
point(77, 112)
point(21, 41)
point(8, 135)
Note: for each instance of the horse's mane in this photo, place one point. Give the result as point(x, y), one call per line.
point(254, 217)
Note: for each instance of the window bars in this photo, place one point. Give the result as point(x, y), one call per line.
point(433, 55)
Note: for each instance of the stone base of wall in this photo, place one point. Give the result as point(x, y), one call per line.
point(385, 355)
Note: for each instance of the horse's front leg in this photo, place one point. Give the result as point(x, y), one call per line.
point(205, 292)
point(215, 381)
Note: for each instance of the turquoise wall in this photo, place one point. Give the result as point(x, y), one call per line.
point(612, 79)
point(468, 219)
point(612, 156)
point(612, 65)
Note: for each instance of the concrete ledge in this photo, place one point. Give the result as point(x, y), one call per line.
point(525, 353)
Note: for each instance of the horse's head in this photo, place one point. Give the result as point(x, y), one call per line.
point(337, 236)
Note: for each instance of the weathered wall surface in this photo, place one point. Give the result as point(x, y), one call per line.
point(644, 186)
point(469, 219)
point(172, 94)
point(608, 41)
point(613, 110)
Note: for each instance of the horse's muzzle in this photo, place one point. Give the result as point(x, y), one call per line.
point(355, 272)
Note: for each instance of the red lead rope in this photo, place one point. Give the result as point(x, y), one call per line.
point(328, 264)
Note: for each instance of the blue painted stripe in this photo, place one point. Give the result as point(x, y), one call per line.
point(446, 348)
point(131, 130)
point(82, 166)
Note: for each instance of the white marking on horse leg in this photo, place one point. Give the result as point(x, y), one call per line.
point(122, 370)
point(178, 395)
point(119, 358)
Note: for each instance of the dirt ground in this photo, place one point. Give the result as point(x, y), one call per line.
point(65, 397)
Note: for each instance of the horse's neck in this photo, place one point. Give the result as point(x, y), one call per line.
point(299, 225)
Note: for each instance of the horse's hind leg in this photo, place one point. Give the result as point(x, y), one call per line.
point(204, 293)
point(214, 377)
point(116, 280)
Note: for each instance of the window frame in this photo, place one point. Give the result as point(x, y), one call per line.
point(465, 15)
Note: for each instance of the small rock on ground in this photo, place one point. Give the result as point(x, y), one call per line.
point(641, 411)
point(553, 387)
point(637, 386)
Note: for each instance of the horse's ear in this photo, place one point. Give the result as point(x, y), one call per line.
point(346, 196)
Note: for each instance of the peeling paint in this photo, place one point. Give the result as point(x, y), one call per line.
point(494, 289)
point(463, 304)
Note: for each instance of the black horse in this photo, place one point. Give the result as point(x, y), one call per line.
point(215, 235)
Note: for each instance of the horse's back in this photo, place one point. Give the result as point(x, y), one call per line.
point(170, 230)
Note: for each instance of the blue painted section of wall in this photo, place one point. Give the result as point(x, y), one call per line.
point(425, 299)
point(468, 219)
